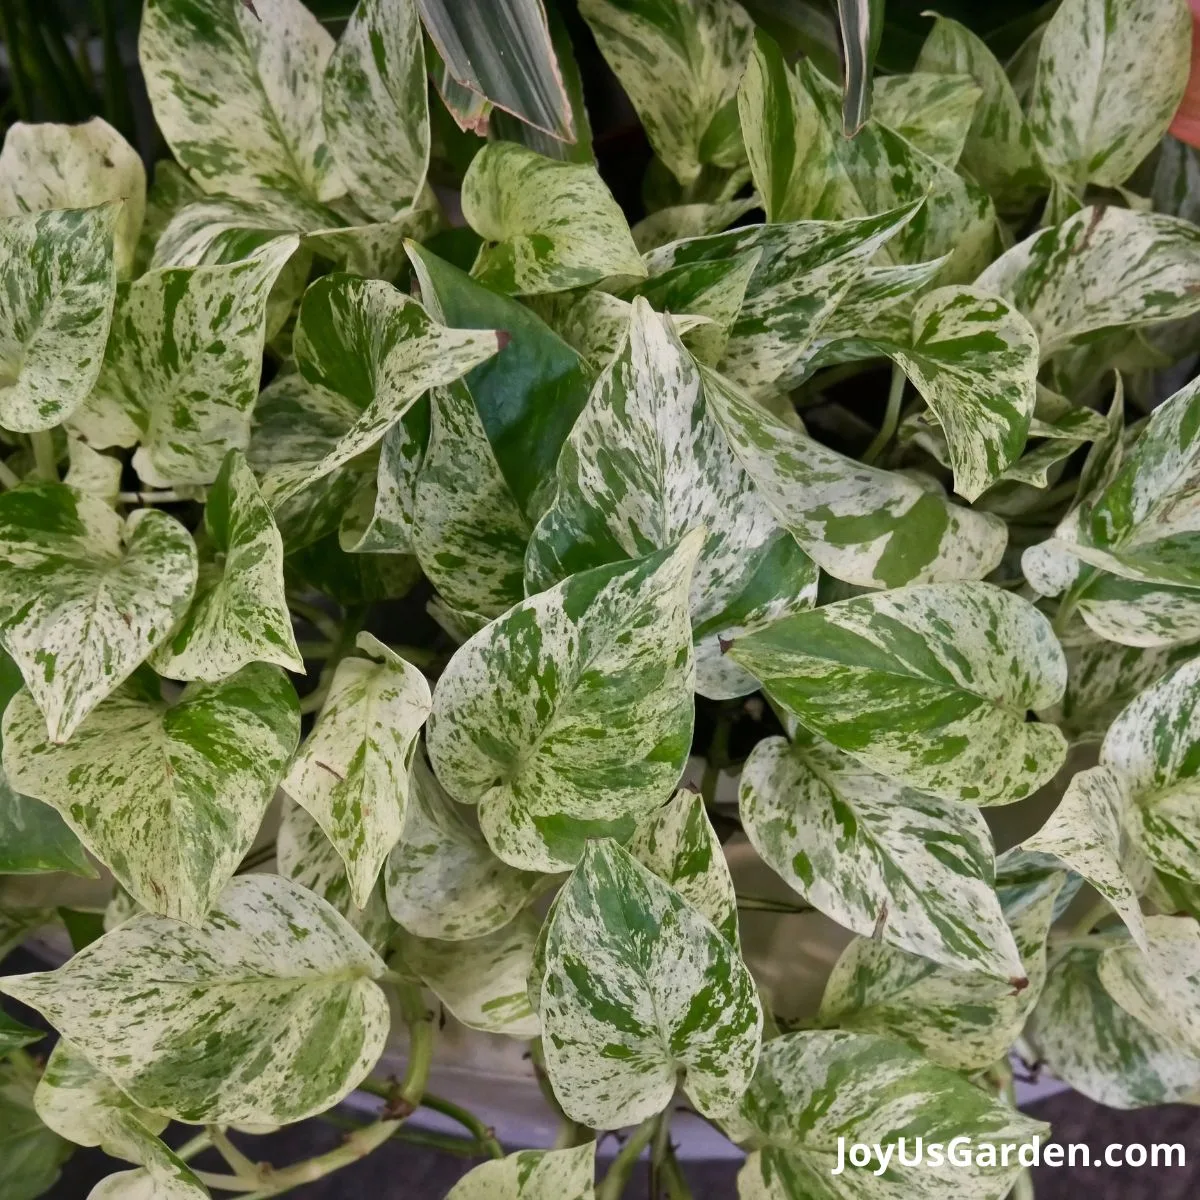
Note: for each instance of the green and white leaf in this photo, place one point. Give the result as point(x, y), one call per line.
point(375, 107)
point(679, 844)
point(928, 685)
point(442, 880)
point(860, 524)
point(964, 1020)
point(932, 110)
point(1090, 1042)
point(306, 856)
point(645, 463)
point(1100, 267)
point(142, 1185)
point(1152, 745)
point(30, 1153)
point(813, 1088)
point(55, 311)
point(378, 350)
point(182, 366)
point(481, 980)
point(44, 166)
point(236, 92)
point(1086, 833)
point(679, 63)
point(240, 613)
point(532, 1175)
point(547, 225)
point(640, 988)
point(975, 360)
point(351, 774)
point(518, 712)
point(876, 857)
point(93, 471)
point(1110, 75)
point(169, 797)
point(680, 221)
point(14, 1035)
point(1139, 614)
point(275, 979)
point(84, 595)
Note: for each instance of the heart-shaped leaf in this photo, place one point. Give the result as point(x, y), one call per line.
point(274, 992)
point(532, 1175)
point(932, 110)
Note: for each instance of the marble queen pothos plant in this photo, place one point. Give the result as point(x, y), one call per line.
point(641, 479)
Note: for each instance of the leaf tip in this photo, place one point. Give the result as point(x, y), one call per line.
point(725, 643)
point(1019, 984)
point(503, 337)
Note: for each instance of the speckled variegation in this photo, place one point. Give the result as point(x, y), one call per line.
point(84, 595)
point(532, 1175)
point(640, 989)
point(375, 106)
point(878, 858)
point(236, 91)
point(240, 613)
point(168, 797)
point(442, 879)
point(928, 685)
point(679, 62)
point(546, 225)
point(265, 1015)
point(932, 110)
point(352, 772)
point(571, 715)
point(55, 311)
point(861, 524)
point(45, 165)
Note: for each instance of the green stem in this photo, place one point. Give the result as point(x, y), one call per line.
point(1087, 922)
point(660, 1148)
point(329, 627)
point(227, 1183)
point(166, 496)
point(238, 1163)
point(617, 1176)
point(117, 108)
point(677, 1185)
point(483, 1134)
point(420, 1046)
point(891, 416)
point(194, 1146)
point(256, 858)
point(766, 904)
point(45, 460)
point(8, 477)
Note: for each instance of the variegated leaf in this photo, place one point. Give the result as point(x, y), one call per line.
point(518, 711)
point(812, 1090)
point(85, 596)
point(546, 225)
point(1153, 746)
point(1157, 982)
point(863, 525)
point(1086, 833)
point(1099, 268)
point(87, 1108)
point(30, 1153)
point(442, 880)
point(236, 92)
point(93, 471)
point(169, 797)
point(1085, 1038)
point(792, 124)
point(481, 980)
point(75, 166)
point(999, 146)
point(679, 62)
point(142, 1185)
point(975, 359)
point(1110, 75)
point(878, 858)
point(375, 107)
point(14, 1035)
point(379, 351)
point(55, 311)
point(964, 1020)
point(379, 518)
point(681, 221)
point(929, 685)
point(351, 774)
point(275, 992)
point(306, 856)
point(469, 532)
point(1144, 524)
point(932, 110)
point(532, 1175)
point(182, 366)
point(240, 614)
point(639, 988)
point(645, 463)
point(679, 844)
point(1139, 614)
point(806, 272)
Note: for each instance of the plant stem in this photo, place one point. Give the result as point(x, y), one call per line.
point(891, 416)
point(420, 1047)
point(619, 1171)
point(46, 463)
point(717, 757)
point(238, 1163)
point(484, 1136)
point(766, 904)
point(677, 1185)
point(660, 1148)
point(1087, 922)
point(8, 477)
point(227, 1183)
point(165, 496)
point(194, 1146)
point(327, 626)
